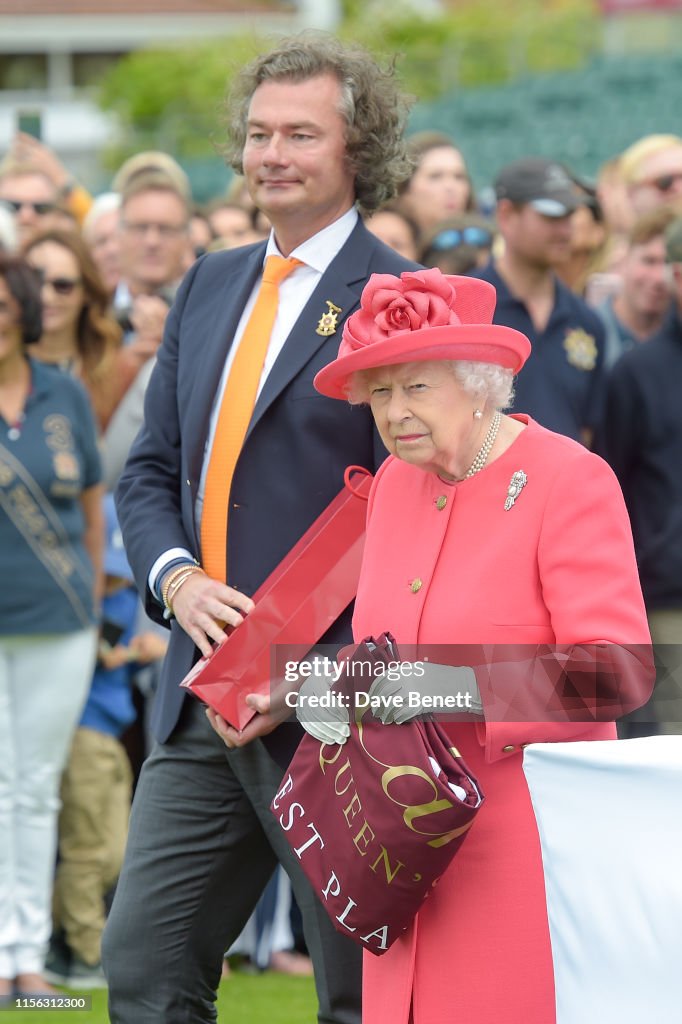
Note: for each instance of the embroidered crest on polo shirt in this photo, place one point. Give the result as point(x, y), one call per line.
point(581, 349)
point(329, 321)
point(66, 466)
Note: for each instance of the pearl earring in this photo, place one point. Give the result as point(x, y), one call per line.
point(478, 415)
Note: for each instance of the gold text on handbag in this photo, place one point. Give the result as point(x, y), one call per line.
point(396, 798)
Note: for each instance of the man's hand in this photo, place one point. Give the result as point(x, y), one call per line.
point(112, 657)
point(148, 317)
point(204, 606)
point(28, 150)
point(271, 711)
point(147, 647)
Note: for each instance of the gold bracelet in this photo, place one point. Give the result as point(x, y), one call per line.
point(172, 591)
point(171, 576)
point(180, 570)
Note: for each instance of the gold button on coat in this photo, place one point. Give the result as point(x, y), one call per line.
point(441, 502)
point(508, 749)
point(415, 585)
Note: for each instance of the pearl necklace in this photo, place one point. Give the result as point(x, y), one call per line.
point(485, 449)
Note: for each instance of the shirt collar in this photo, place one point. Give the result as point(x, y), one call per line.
point(319, 250)
point(122, 297)
point(42, 375)
point(562, 293)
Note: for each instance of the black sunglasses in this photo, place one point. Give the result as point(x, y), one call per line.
point(60, 285)
point(454, 237)
point(665, 181)
point(14, 205)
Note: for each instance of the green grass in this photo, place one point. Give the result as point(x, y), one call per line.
point(242, 999)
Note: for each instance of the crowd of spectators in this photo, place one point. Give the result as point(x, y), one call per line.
point(590, 271)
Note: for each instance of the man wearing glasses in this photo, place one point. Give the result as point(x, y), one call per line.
point(154, 254)
point(29, 195)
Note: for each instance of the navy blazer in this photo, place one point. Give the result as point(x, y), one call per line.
point(293, 458)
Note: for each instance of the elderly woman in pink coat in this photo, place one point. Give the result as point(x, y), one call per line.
point(489, 534)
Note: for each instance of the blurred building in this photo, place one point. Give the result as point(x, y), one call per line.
point(54, 52)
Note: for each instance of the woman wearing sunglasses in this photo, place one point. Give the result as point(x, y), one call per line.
point(79, 334)
point(51, 537)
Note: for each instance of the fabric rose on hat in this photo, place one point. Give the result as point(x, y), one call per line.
point(391, 305)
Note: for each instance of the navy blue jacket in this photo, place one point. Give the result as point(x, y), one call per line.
point(642, 440)
point(296, 448)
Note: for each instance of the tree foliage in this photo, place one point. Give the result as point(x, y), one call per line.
point(475, 42)
point(172, 98)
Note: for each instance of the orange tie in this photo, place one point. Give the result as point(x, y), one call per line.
point(236, 408)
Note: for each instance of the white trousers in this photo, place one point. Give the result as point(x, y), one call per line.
point(44, 682)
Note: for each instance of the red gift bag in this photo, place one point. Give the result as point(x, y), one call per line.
point(376, 821)
point(296, 604)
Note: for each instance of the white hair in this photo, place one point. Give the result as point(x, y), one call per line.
point(104, 203)
point(486, 382)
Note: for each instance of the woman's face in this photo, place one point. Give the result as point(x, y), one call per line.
point(10, 327)
point(62, 292)
point(439, 187)
point(425, 417)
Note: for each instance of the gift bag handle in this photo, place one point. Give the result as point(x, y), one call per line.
point(348, 473)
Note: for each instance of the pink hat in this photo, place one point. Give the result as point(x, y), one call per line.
point(422, 315)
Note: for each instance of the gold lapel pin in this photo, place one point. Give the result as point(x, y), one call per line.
point(329, 321)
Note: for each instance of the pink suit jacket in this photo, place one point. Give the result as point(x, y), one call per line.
point(527, 595)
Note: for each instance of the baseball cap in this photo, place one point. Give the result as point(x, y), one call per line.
point(673, 241)
point(543, 184)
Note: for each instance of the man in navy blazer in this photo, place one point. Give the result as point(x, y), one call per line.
point(317, 131)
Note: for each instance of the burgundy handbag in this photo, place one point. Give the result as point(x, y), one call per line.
point(376, 821)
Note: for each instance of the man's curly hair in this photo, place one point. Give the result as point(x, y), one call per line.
point(372, 105)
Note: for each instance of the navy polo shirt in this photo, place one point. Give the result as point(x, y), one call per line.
point(46, 462)
point(562, 384)
point(641, 438)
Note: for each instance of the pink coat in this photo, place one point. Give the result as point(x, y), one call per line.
point(556, 568)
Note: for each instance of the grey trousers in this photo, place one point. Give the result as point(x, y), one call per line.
point(201, 848)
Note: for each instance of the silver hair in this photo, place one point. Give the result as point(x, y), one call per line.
point(103, 203)
point(486, 382)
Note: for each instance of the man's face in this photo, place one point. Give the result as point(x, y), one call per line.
point(294, 157)
point(645, 284)
point(659, 181)
point(31, 199)
point(154, 239)
point(541, 241)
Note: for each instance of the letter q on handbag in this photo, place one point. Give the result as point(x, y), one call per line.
point(376, 821)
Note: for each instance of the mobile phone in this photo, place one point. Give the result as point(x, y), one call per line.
point(30, 122)
point(111, 632)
